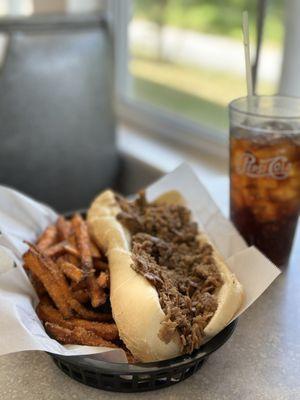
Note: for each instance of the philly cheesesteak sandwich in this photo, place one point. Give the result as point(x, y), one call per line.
point(170, 289)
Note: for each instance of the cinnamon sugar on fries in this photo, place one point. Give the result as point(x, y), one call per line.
point(71, 278)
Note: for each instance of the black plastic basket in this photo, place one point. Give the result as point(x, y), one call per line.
point(139, 377)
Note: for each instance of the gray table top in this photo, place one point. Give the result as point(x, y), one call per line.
point(260, 361)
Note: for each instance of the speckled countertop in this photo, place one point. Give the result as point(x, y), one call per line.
point(260, 361)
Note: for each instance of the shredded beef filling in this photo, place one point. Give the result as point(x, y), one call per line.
point(167, 252)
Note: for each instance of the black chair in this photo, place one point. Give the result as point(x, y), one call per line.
point(57, 130)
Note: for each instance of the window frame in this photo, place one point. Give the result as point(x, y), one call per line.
point(145, 116)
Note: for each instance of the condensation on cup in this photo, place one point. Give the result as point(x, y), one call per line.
point(265, 172)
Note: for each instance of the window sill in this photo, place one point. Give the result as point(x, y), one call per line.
point(165, 156)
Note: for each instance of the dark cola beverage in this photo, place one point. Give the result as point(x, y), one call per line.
point(265, 186)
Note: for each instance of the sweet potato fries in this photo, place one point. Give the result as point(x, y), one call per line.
point(71, 278)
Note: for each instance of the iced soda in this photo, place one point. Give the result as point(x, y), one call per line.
point(265, 185)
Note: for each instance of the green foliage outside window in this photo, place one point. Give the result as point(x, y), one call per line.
point(211, 16)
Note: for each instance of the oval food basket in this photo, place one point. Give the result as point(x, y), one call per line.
point(140, 377)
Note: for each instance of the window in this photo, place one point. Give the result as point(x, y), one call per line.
point(181, 62)
point(9, 8)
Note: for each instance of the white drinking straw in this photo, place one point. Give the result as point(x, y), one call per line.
point(247, 53)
